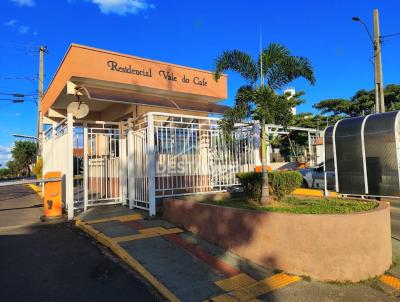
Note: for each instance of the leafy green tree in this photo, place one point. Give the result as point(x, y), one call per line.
point(23, 154)
point(299, 139)
point(274, 68)
point(13, 168)
point(392, 97)
point(362, 103)
point(333, 106)
point(4, 173)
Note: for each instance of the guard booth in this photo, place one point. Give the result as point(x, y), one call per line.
point(364, 153)
point(131, 131)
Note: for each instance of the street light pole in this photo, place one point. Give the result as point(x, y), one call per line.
point(378, 78)
point(379, 96)
point(42, 50)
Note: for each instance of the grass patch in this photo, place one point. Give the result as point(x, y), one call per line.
point(302, 205)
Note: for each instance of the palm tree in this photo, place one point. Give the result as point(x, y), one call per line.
point(274, 68)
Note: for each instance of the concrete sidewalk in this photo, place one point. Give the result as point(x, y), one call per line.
point(184, 267)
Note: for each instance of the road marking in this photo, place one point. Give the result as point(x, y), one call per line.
point(135, 237)
point(312, 192)
point(127, 258)
point(391, 281)
point(244, 288)
point(35, 188)
point(133, 263)
point(154, 230)
point(124, 218)
point(236, 282)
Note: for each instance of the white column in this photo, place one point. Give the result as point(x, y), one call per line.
point(69, 175)
point(85, 167)
point(310, 153)
point(53, 155)
point(257, 144)
point(152, 178)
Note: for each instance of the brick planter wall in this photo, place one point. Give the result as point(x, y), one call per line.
point(348, 247)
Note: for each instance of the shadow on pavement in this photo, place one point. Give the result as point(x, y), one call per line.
point(57, 263)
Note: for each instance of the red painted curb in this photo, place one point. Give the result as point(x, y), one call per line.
point(214, 262)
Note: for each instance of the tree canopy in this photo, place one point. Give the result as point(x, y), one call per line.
point(23, 156)
point(361, 103)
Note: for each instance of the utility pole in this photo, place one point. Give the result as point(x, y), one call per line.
point(379, 96)
point(42, 51)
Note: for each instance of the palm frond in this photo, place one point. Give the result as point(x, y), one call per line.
point(240, 111)
point(288, 69)
point(273, 53)
point(237, 61)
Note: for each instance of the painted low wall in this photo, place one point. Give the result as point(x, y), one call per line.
point(350, 247)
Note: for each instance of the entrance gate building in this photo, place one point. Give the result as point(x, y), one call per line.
point(142, 160)
point(146, 132)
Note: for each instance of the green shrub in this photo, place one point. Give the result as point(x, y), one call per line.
point(281, 183)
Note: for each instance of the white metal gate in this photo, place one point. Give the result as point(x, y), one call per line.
point(138, 169)
point(170, 155)
point(102, 165)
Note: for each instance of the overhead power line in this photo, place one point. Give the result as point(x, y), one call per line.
point(391, 35)
point(25, 78)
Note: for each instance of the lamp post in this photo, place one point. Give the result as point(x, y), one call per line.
point(25, 136)
point(376, 42)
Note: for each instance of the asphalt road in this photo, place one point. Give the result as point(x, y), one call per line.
point(56, 262)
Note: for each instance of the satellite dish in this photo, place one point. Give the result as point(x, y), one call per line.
point(78, 109)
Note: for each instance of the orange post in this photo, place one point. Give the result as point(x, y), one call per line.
point(52, 198)
point(259, 169)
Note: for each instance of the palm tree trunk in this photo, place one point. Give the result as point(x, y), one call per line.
point(265, 198)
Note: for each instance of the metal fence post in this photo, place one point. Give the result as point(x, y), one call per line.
point(85, 167)
point(151, 156)
point(131, 167)
point(122, 166)
point(69, 181)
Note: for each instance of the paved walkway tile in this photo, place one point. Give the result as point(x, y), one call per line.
point(306, 291)
point(156, 223)
point(255, 271)
point(104, 212)
point(115, 228)
point(395, 270)
point(196, 270)
point(391, 281)
point(187, 277)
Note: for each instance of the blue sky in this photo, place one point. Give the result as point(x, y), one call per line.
point(191, 33)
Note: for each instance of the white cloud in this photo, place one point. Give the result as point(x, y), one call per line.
point(5, 154)
point(10, 23)
point(24, 2)
point(23, 29)
point(12, 114)
point(122, 7)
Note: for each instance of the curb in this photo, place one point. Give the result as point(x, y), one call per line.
point(312, 192)
point(36, 189)
point(128, 259)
